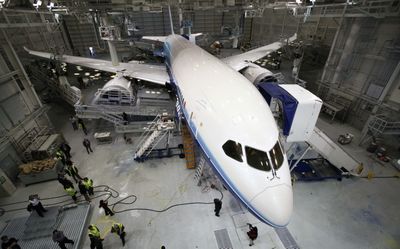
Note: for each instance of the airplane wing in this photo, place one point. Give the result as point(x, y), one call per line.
point(152, 73)
point(238, 62)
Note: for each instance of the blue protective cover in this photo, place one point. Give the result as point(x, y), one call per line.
point(289, 103)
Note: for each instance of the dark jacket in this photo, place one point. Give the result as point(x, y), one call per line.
point(58, 236)
point(65, 147)
point(86, 142)
point(11, 243)
point(253, 233)
point(82, 188)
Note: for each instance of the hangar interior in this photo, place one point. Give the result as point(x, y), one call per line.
point(145, 161)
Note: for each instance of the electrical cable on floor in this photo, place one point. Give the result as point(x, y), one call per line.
point(105, 190)
point(383, 177)
point(154, 210)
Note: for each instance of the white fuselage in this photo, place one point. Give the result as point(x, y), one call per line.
point(220, 104)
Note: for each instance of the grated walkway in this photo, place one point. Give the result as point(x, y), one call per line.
point(35, 232)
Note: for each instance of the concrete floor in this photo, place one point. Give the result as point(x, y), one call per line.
point(353, 213)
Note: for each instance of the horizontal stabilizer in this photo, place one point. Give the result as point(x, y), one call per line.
point(155, 38)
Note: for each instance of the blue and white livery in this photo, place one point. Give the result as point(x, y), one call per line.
point(228, 118)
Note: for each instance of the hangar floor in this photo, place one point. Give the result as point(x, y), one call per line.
point(353, 213)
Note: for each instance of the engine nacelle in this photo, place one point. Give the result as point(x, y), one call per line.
point(256, 74)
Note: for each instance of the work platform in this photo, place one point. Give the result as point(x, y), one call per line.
point(35, 232)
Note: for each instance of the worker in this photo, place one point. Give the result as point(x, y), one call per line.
point(9, 243)
point(218, 206)
point(72, 171)
point(83, 191)
point(66, 149)
point(86, 143)
point(61, 239)
point(125, 117)
point(35, 204)
point(80, 81)
point(118, 228)
point(64, 181)
point(72, 192)
point(95, 239)
point(104, 204)
point(89, 185)
point(74, 123)
point(60, 156)
point(82, 125)
point(253, 233)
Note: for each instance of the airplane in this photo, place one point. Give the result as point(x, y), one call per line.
point(227, 116)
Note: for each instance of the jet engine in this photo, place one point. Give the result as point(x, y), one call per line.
point(256, 74)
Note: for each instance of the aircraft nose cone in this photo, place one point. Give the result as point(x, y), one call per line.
point(275, 204)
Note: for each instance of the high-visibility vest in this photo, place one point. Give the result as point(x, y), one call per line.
point(59, 154)
point(94, 231)
point(88, 184)
point(71, 191)
point(119, 228)
point(71, 170)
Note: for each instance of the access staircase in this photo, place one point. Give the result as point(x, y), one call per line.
point(188, 148)
point(332, 152)
point(159, 128)
point(378, 126)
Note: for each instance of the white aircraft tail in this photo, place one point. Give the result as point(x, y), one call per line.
point(170, 20)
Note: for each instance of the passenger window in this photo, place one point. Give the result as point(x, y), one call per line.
point(233, 150)
point(276, 156)
point(257, 159)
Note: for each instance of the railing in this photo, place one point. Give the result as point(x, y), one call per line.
point(380, 124)
point(154, 133)
point(370, 8)
point(146, 110)
point(65, 91)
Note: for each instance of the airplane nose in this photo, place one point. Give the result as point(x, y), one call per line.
point(275, 204)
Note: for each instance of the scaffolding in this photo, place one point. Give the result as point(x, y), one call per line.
point(365, 8)
point(68, 93)
point(378, 126)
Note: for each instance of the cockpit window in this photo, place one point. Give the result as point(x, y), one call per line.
point(257, 159)
point(276, 156)
point(233, 150)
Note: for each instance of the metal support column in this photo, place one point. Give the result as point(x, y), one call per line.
point(111, 45)
point(25, 81)
point(328, 60)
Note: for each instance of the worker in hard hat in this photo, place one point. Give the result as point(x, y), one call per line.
point(72, 171)
point(72, 192)
point(83, 191)
point(95, 239)
point(118, 228)
point(60, 156)
point(88, 185)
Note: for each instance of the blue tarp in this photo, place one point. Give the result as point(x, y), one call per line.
point(289, 103)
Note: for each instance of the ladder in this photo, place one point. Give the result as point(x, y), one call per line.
point(198, 175)
point(179, 114)
point(159, 128)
